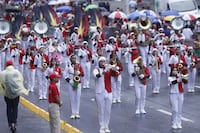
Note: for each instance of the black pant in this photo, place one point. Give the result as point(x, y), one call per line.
point(12, 109)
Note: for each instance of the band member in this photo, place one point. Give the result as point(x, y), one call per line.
point(155, 62)
point(54, 103)
point(177, 59)
point(96, 56)
point(103, 88)
point(54, 68)
point(74, 36)
point(176, 82)
point(191, 60)
point(116, 78)
point(17, 53)
point(85, 55)
point(110, 47)
point(26, 61)
point(142, 43)
point(73, 73)
point(141, 74)
point(32, 70)
point(41, 63)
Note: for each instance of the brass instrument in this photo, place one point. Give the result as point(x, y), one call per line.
point(138, 61)
point(41, 27)
point(5, 27)
point(44, 64)
point(177, 23)
point(144, 23)
point(76, 78)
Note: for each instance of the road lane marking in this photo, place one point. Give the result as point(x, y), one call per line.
point(169, 113)
point(197, 86)
point(45, 115)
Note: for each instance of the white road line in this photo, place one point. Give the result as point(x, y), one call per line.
point(197, 87)
point(169, 113)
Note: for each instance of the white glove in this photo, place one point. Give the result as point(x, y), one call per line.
point(77, 72)
point(141, 76)
point(137, 69)
point(71, 81)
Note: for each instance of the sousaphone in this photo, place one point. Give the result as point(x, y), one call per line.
point(177, 23)
point(144, 23)
point(41, 27)
point(5, 27)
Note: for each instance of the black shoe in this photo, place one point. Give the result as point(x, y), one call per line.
point(13, 127)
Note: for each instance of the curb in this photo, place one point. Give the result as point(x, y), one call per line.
point(45, 115)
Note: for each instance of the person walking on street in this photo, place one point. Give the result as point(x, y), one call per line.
point(11, 86)
point(54, 103)
point(102, 76)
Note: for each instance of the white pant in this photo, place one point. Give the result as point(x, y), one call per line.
point(116, 87)
point(27, 76)
point(41, 76)
point(86, 69)
point(192, 78)
point(176, 101)
point(74, 96)
point(156, 75)
point(140, 92)
point(104, 104)
point(32, 79)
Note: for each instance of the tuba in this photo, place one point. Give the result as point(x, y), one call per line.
point(144, 23)
point(5, 27)
point(41, 27)
point(177, 23)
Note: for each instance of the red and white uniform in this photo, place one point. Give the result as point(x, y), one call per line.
point(85, 55)
point(140, 89)
point(103, 96)
point(116, 81)
point(32, 73)
point(74, 93)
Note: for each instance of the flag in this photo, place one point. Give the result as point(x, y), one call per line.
point(96, 18)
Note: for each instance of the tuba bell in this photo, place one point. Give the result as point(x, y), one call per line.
point(144, 23)
point(5, 27)
point(177, 23)
point(41, 27)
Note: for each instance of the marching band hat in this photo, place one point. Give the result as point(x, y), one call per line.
point(9, 63)
point(139, 58)
point(54, 75)
point(41, 47)
point(18, 42)
point(84, 43)
point(102, 58)
point(155, 49)
point(161, 29)
point(75, 28)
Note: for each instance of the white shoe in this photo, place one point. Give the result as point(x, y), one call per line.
point(174, 126)
point(137, 112)
point(179, 126)
point(72, 117)
point(192, 90)
point(107, 131)
point(114, 101)
point(44, 97)
point(131, 85)
point(40, 98)
point(143, 111)
point(78, 116)
point(119, 101)
point(101, 131)
point(189, 90)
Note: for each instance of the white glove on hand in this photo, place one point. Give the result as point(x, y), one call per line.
point(141, 76)
point(137, 69)
point(71, 81)
point(77, 72)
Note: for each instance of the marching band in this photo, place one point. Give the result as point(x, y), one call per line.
point(145, 55)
